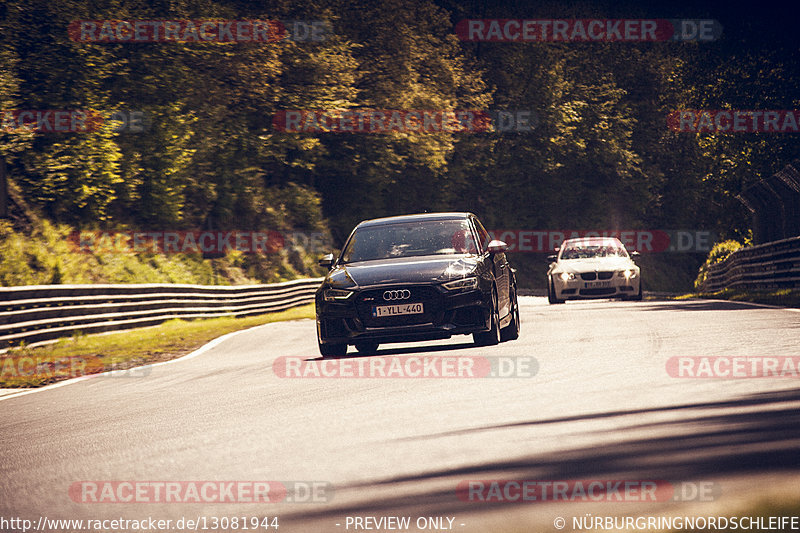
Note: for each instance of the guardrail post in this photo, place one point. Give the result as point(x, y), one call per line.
point(789, 180)
point(775, 205)
point(3, 189)
point(765, 225)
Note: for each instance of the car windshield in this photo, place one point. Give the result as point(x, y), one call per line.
point(592, 250)
point(410, 239)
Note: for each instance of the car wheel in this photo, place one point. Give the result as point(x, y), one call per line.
point(367, 347)
point(551, 294)
point(332, 350)
point(491, 337)
point(511, 331)
point(638, 296)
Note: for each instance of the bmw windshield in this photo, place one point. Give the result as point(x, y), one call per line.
point(387, 241)
point(592, 250)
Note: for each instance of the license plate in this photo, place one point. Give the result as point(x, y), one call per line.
point(379, 311)
point(596, 284)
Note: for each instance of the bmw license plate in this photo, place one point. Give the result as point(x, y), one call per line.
point(596, 284)
point(379, 311)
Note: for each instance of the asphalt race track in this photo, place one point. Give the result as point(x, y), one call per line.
point(594, 400)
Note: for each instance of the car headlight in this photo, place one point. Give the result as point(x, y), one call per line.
point(461, 284)
point(336, 295)
point(566, 276)
point(628, 273)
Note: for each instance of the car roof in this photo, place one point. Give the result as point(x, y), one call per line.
point(594, 241)
point(419, 217)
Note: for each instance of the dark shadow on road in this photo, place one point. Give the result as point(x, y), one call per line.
point(406, 350)
point(700, 305)
point(656, 305)
point(792, 395)
point(745, 435)
point(423, 349)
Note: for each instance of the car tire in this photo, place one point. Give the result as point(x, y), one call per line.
point(367, 348)
point(511, 331)
point(491, 337)
point(551, 294)
point(638, 296)
point(332, 350)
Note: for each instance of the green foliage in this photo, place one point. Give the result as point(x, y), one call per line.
point(48, 256)
point(600, 157)
point(718, 254)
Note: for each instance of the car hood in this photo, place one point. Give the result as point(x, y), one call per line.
point(425, 269)
point(591, 265)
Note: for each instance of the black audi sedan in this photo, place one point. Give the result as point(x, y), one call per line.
point(414, 278)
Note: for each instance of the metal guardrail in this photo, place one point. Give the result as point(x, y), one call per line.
point(44, 312)
point(774, 265)
point(774, 202)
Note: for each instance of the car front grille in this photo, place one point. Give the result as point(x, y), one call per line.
point(591, 276)
point(431, 299)
point(598, 292)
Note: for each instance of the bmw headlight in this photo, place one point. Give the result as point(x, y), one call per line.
point(628, 273)
point(566, 276)
point(337, 295)
point(461, 284)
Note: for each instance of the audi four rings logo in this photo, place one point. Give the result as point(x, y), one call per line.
point(403, 294)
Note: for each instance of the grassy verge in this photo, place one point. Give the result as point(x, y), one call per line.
point(783, 297)
point(50, 255)
point(89, 354)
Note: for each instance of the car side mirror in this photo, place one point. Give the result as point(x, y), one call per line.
point(326, 261)
point(552, 258)
point(497, 247)
point(635, 254)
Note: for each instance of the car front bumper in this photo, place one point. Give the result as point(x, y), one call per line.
point(578, 288)
point(445, 314)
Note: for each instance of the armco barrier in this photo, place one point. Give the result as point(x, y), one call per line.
point(774, 265)
point(43, 312)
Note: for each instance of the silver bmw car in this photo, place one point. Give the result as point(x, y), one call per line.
point(593, 267)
